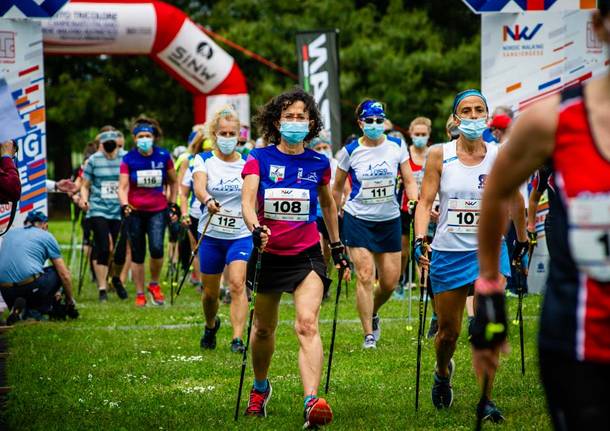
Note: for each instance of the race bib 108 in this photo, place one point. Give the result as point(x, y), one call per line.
point(287, 204)
point(589, 235)
point(463, 215)
point(150, 178)
point(377, 190)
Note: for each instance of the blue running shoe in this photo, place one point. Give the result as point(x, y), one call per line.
point(489, 412)
point(442, 392)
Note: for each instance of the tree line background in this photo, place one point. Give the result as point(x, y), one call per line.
point(414, 55)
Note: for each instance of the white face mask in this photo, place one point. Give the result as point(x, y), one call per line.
point(226, 145)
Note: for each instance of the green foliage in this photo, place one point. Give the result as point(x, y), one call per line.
point(412, 54)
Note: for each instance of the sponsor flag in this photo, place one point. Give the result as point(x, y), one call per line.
point(318, 58)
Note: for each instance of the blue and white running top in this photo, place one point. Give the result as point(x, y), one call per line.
point(224, 184)
point(373, 172)
point(187, 181)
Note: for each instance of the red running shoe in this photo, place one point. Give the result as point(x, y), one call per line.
point(155, 293)
point(257, 406)
point(140, 300)
point(317, 413)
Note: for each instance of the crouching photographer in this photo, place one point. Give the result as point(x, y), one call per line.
point(29, 289)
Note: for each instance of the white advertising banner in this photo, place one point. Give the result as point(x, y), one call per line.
point(527, 56)
point(93, 28)
point(21, 65)
point(241, 103)
point(197, 58)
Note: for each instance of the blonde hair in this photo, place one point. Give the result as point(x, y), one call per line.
point(211, 127)
point(421, 121)
point(196, 145)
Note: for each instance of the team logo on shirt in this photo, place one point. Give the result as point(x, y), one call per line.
point(157, 165)
point(482, 181)
point(312, 176)
point(277, 173)
point(379, 170)
point(232, 185)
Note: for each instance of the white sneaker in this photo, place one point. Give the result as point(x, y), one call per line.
point(376, 327)
point(369, 342)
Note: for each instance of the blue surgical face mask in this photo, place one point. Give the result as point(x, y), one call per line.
point(144, 144)
point(373, 131)
point(294, 132)
point(326, 152)
point(420, 141)
point(472, 129)
point(226, 145)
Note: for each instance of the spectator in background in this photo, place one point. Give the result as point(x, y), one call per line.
point(500, 127)
point(10, 186)
point(22, 274)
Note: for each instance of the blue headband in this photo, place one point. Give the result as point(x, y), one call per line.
point(144, 127)
point(371, 108)
point(467, 93)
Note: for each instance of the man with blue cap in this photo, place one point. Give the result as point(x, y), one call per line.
point(28, 288)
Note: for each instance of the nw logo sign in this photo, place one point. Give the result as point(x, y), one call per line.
point(516, 33)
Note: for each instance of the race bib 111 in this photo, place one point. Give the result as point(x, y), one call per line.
point(377, 190)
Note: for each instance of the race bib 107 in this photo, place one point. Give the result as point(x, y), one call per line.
point(287, 204)
point(463, 215)
point(589, 235)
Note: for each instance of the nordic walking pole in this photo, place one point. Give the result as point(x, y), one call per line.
point(82, 266)
point(332, 338)
point(422, 290)
point(482, 402)
point(193, 254)
point(244, 358)
point(410, 263)
point(520, 286)
point(72, 236)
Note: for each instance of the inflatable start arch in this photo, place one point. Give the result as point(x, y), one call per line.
point(161, 31)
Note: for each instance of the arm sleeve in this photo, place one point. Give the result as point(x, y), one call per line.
point(88, 171)
point(52, 246)
point(251, 167)
point(199, 165)
point(404, 152)
point(343, 160)
point(10, 186)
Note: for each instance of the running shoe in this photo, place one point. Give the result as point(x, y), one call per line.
point(140, 300)
point(433, 328)
point(208, 340)
point(442, 392)
point(103, 295)
point(490, 412)
point(120, 289)
point(237, 345)
point(399, 292)
point(317, 413)
point(155, 294)
point(376, 327)
point(369, 342)
point(17, 312)
point(257, 405)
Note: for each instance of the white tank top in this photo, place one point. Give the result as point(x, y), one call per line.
point(461, 190)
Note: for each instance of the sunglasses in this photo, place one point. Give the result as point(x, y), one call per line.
point(373, 120)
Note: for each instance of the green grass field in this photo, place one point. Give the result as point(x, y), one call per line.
point(122, 368)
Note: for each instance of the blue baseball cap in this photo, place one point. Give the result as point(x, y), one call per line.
point(371, 108)
point(36, 217)
point(467, 93)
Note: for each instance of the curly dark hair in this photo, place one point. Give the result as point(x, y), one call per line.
point(270, 114)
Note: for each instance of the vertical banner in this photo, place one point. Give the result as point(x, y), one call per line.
point(318, 58)
point(21, 65)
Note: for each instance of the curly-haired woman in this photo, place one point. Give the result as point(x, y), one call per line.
point(282, 184)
